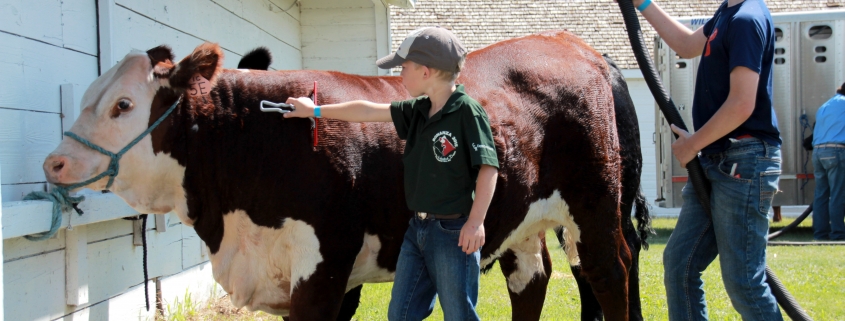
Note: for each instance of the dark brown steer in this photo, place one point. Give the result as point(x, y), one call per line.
point(291, 227)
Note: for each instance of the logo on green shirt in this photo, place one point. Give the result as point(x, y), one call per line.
point(445, 146)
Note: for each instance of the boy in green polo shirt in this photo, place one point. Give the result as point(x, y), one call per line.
point(449, 154)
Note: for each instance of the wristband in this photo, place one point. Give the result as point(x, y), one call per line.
point(644, 5)
point(317, 112)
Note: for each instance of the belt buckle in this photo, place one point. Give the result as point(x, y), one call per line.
point(422, 215)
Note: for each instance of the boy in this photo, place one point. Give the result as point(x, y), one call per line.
point(440, 252)
point(738, 137)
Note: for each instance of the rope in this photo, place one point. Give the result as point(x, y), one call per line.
point(60, 195)
point(61, 202)
point(143, 218)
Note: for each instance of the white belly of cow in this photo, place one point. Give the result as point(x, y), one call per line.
point(260, 267)
point(524, 241)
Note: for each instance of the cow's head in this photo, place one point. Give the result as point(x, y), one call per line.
point(116, 109)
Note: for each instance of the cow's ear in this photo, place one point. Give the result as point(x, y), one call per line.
point(161, 58)
point(206, 60)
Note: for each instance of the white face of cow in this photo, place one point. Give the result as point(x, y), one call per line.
point(115, 110)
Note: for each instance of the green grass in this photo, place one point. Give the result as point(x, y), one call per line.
point(813, 274)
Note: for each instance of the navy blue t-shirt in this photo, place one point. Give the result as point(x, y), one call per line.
point(742, 35)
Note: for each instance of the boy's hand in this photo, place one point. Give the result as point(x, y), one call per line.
point(472, 236)
point(303, 107)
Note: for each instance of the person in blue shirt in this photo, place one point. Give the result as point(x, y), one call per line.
point(737, 141)
point(829, 164)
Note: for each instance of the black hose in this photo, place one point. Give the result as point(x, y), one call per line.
point(792, 225)
point(785, 299)
point(696, 172)
point(667, 106)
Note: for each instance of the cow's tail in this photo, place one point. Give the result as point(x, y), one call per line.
point(641, 212)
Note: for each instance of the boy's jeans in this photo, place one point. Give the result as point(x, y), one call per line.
point(431, 263)
point(829, 204)
point(737, 233)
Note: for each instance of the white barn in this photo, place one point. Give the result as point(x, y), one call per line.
point(479, 23)
point(50, 51)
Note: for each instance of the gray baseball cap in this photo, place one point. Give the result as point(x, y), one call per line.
point(434, 47)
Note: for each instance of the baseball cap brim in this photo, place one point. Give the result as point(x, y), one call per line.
point(390, 61)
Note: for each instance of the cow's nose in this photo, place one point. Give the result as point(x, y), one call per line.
point(55, 168)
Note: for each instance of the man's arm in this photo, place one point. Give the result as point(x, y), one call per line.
point(685, 42)
point(353, 111)
point(472, 234)
point(735, 111)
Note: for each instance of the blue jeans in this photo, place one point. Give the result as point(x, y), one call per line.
point(430, 264)
point(737, 233)
point(829, 203)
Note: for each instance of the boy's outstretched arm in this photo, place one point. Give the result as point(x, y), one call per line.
point(353, 111)
point(472, 234)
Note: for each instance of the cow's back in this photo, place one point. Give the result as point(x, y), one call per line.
point(550, 104)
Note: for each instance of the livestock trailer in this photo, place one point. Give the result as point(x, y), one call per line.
point(809, 65)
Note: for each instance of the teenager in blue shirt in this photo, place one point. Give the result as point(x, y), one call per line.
point(737, 136)
point(829, 164)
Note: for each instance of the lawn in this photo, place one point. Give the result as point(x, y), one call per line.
point(813, 274)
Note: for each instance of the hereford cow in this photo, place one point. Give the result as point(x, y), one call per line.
point(292, 227)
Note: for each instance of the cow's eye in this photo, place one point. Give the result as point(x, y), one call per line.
point(124, 104)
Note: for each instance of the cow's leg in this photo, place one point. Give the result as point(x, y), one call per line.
point(590, 307)
point(349, 306)
point(605, 258)
point(320, 297)
point(634, 246)
point(527, 268)
point(351, 300)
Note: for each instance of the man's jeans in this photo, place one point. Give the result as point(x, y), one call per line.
point(737, 233)
point(829, 204)
point(430, 264)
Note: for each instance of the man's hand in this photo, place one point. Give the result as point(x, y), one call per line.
point(303, 107)
point(682, 147)
point(472, 236)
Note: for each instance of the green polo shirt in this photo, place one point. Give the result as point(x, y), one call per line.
point(444, 153)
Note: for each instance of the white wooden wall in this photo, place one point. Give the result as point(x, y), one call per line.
point(1, 237)
point(43, 44)
point(49, 54)
point(347, 36)
point(644, 104)
point(47, 43)
point(237, 26)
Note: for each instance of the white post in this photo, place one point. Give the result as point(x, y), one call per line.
point(105, 10)
point(382, 26)
point(161, 222)
point(76, 265)
point(2, 313)
point(68, 112)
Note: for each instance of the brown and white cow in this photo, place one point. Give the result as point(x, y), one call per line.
point(291, 228)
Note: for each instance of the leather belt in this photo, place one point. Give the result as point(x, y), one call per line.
point(424, 216)
point(830, 145)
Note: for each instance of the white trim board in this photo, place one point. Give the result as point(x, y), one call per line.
point(30, 217)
